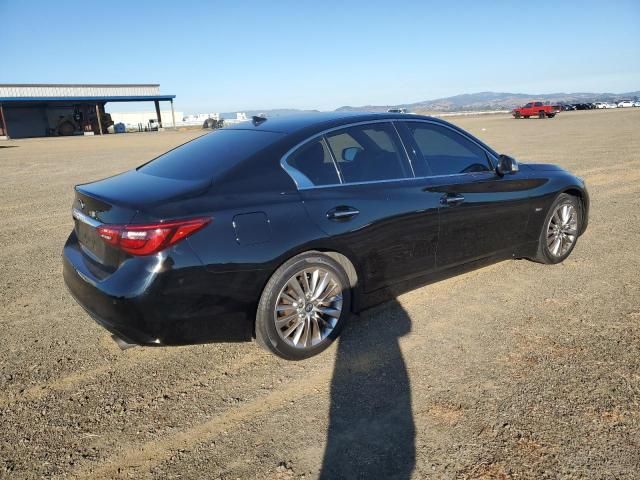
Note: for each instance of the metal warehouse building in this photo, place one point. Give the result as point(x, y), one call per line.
point(39, 110)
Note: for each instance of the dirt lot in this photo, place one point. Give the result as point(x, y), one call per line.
point(513, 371)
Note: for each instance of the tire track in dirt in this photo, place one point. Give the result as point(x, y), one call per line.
point(142, 457)
point(145, 456)
point(74, 380)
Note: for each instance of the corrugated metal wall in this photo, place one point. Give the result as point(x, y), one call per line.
point(77, 90)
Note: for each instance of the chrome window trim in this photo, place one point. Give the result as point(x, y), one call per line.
point(81, 217)
point(304, 183)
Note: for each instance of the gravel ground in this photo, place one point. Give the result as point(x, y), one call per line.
point(517, 370)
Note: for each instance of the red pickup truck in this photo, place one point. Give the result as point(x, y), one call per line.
point(536, 109)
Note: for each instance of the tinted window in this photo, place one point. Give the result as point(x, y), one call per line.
point(528, 105)
point(446, 151)
point(314, 161)
point(369, 152)
point(537, 104)
point(210, 155)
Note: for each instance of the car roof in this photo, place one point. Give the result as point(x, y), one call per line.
point(321, 121)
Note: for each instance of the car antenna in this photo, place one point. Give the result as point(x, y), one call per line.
point(257, 119)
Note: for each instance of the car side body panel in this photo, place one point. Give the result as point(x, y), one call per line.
point(392, 237)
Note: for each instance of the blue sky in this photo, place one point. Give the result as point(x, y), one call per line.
point(235, 55)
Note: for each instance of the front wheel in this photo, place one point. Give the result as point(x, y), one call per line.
point(303, 307)
point(560, 229)
point(541, 114)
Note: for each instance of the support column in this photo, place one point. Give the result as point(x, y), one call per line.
point(99, 119)
point(157, 104)
point(3, 124)
point(173, 115)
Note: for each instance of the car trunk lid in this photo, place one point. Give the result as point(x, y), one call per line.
point(120, 200)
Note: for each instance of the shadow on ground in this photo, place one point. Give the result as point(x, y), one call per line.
point(371, 430)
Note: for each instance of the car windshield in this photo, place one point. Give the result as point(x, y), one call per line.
point(210, 155)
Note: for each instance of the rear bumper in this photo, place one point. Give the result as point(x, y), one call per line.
point(118, 316)
point(179, 304)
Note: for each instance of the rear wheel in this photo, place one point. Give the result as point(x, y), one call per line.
point(303, 307)
point(560, 229)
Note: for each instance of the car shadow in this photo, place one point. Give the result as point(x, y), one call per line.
point(371, 429)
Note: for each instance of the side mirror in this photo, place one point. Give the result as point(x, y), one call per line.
point(506, 164)
point(349, 154)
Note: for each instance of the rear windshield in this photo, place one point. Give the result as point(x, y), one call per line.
point(210, 155)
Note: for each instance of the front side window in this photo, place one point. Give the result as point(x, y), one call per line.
point(314, 161)
point(528, 105)
point(368, 153)
point(445, 151)
point(538, 104)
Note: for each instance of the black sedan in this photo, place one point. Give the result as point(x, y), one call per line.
point(279, 229)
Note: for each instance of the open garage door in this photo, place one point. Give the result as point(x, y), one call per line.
point(26, 121)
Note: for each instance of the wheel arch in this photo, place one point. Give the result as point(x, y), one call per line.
point(584, 205)
point(346, 263)
point(343, 260)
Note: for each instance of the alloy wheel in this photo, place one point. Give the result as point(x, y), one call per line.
point(308, 307)
point(562, 229)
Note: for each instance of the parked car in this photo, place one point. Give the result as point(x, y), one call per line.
point(397, 110)
point(281, 229)
point(636, 104)
point(625, 103)
point(611, 105)
point(536, 109)
point(565, 107)
point(600, 105)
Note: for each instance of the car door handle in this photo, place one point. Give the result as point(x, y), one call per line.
point(342, 213)
point(452, 199)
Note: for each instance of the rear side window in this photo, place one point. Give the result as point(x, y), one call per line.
point(210, 155)
point(368, 153)
point(314, 161)
point(446, 151)
point(537, 104)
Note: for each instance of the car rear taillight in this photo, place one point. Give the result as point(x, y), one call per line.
point(150, 238)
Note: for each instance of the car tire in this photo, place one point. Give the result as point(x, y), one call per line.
point(315, 330)
point(541, 114)
point(65, 129)
point(559, 233)
point(517, 115)
point(526, 116)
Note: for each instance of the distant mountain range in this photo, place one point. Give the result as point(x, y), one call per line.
point(493, 101)
point(466, 102)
